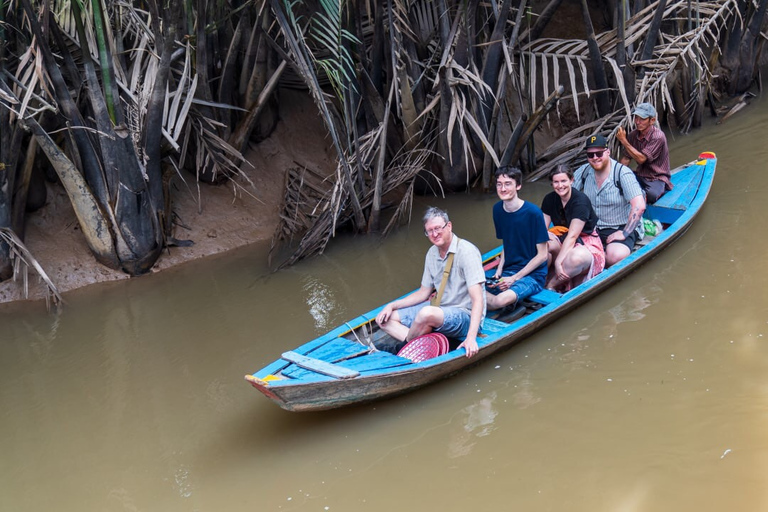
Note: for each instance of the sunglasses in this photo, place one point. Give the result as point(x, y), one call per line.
point(595, 154)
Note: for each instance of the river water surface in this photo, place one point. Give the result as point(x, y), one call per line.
point(652, 397)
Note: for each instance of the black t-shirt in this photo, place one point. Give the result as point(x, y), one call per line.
point(578, 207)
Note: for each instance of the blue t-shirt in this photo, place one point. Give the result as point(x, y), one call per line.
point(520, 232)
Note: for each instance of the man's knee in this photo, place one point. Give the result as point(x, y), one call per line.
point(615, 252)
point(578, 258)
point(500, 300)
point(507, 298)
point(429, 315)
point(654, 191)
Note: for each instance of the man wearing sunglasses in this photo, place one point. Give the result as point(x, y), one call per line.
point(616, 197)
point(459, 309)
point(647, 145)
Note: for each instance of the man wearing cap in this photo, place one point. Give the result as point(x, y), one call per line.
point(647, 145)
point(616, 197)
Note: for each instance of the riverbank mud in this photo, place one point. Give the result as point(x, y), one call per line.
point(217, 218)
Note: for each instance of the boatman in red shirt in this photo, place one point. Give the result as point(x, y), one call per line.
point(647, 145)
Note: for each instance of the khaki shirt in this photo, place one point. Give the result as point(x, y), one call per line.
point(467, 269)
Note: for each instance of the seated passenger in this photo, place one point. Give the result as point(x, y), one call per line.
point(647, 145)
point(575, 251)
point(458, 309)
point(520, 224)
point(616, 197)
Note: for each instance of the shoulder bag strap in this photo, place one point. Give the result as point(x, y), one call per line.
point(583, 170)
point(448, 264)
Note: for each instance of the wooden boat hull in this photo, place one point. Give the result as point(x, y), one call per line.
point(336, 369)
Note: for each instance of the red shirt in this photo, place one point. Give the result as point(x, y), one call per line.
point(654, 147)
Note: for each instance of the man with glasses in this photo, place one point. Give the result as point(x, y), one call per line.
point(461, 302)
point(647, 145)
point(522, 269)
point(616, 197)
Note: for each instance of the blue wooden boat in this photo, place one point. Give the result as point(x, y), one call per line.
point(344, 366)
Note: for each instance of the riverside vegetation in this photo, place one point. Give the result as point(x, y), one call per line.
point(115, 101)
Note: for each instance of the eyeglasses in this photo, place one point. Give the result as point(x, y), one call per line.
point(505, 184)
point(595, 154)
point(435, 231)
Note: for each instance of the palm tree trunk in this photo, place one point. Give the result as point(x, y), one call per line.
point(154, 133)
point(598, 69)
point(95, 226)
point(374, 220)
point(86, 152)
point(628, 75)
point(228, 89)
point(532, 123)
point(510, 148)
point(653, 35)
point(19, 203)
point(244, 128)
point(493, 61)
point(752, 38)
point(543, 20)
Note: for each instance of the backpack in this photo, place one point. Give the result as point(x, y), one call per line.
point(617, 177)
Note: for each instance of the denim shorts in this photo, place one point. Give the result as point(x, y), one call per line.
point(455, 321)
point(523, 288)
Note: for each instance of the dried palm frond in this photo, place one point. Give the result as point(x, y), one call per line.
point(182, 118)
point(545, 56)
point(22, 260)
point(687, 48)
point(568, 149)
point(572, 53)
point(295, 38)
point(311, 201)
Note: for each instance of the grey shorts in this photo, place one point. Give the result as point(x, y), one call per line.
point(455, 321)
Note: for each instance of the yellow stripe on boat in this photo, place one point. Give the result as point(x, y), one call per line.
point(266, 380)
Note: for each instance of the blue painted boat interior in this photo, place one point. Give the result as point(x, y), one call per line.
point(344, 345)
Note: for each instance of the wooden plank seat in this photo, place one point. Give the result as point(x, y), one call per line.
point(330, 352)
point(544, 297)
point(318, 366)
point(338, 349)
point(680, 196)
point(672, 204)
point(374, 361)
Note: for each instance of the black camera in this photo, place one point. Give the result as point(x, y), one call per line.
point(491, 281)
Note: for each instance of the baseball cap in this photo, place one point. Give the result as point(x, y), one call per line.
point(596, 141)
point(644, 110)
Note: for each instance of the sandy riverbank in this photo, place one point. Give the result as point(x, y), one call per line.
point(218, 218)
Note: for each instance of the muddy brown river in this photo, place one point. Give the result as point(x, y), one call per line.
point(651, 397)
